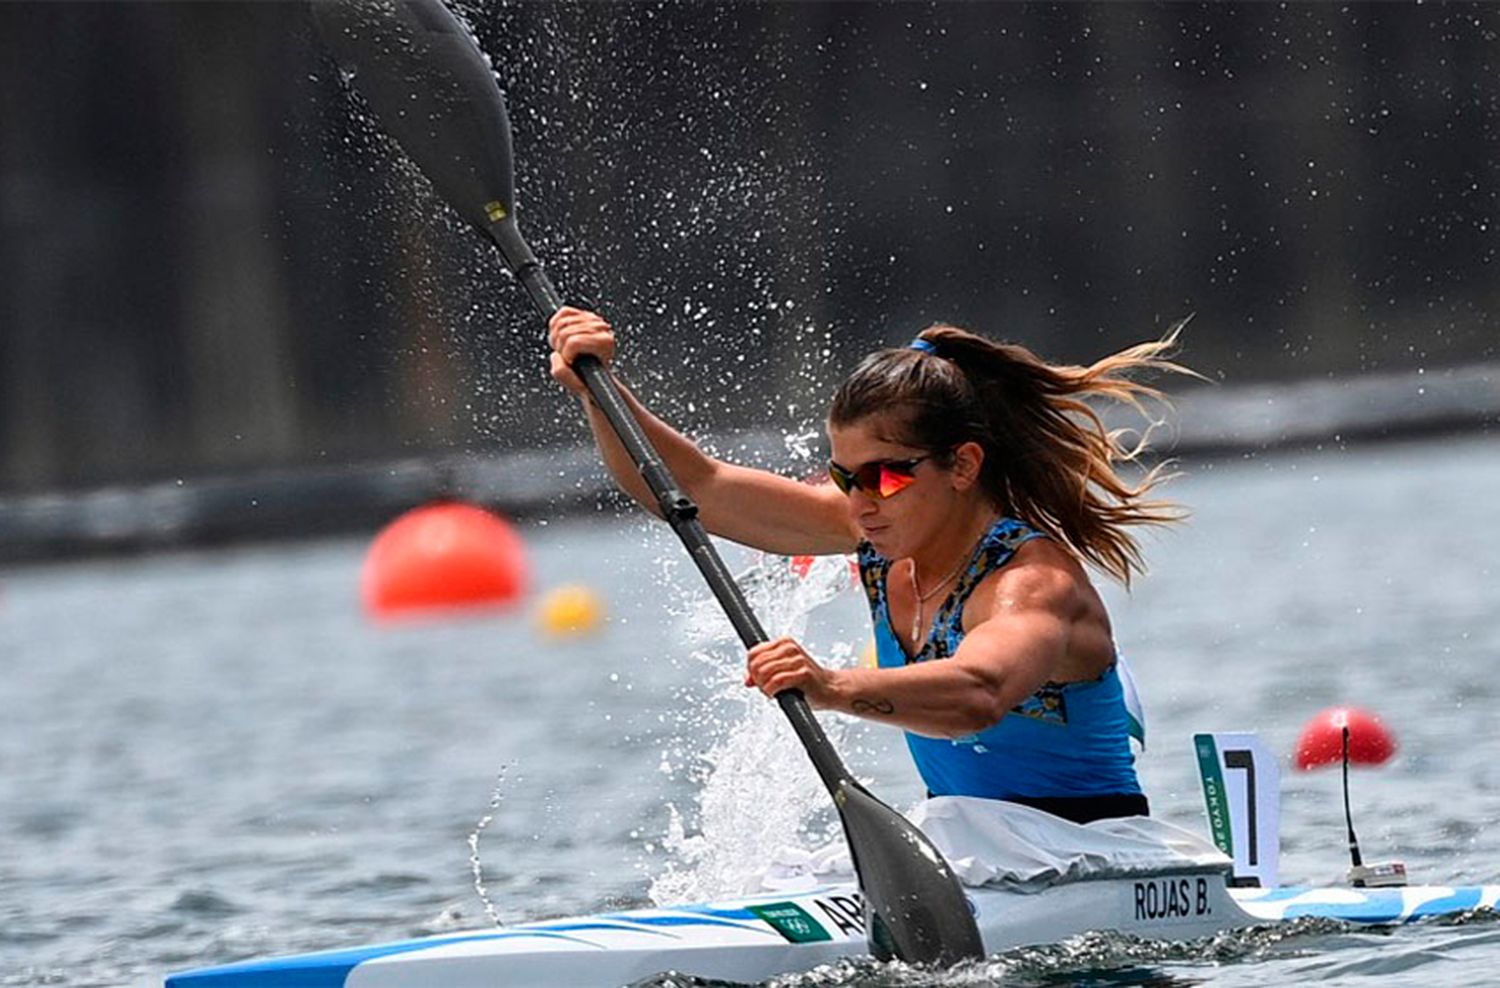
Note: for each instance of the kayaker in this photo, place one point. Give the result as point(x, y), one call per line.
point(974, 485)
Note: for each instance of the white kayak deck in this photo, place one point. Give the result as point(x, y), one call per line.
point(755, 938)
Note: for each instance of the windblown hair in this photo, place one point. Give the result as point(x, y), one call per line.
point(1049, 459)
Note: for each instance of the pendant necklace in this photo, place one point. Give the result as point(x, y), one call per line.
point(923, 598)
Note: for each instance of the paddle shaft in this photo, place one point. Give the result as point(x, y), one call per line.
point(429, 84)
point(682, 514)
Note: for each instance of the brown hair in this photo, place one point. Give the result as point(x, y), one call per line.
point(1048, 457)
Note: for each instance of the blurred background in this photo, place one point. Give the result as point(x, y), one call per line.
point(230, 311)
point(227, 299)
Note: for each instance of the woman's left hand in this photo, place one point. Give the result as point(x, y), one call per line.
point(784, 665)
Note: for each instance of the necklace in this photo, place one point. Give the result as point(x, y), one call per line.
point(923, 598)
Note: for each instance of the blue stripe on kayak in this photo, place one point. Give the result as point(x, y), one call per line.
point(1461, 900)
point(1380, 905)
point(738, 912)
point(750, 918)
point(1377, 907)
point(329, 968)
point(617, 925)
point(324, 969)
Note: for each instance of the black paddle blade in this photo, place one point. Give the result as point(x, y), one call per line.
point(433, 90)
point(915, 907)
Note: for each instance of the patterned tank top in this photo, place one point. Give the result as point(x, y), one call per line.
point(1066, 739)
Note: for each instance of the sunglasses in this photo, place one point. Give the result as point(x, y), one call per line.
point(880, 478)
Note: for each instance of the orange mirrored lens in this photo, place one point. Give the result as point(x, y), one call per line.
point(894, 481)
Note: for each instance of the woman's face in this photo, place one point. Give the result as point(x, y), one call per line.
point(899, 524)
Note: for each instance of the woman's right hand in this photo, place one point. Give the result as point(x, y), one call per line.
point(574, 333)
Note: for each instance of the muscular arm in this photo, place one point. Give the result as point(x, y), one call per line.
point(999, 664)
point(753, 507)
point(1026, 624)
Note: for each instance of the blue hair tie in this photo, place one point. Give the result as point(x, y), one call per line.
point(923, 345)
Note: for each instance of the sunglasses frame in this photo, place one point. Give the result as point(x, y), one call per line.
point(876, 484)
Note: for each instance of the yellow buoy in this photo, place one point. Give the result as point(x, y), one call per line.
point(568, 611)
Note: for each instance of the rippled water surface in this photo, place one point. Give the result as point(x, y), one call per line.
point(209, 756)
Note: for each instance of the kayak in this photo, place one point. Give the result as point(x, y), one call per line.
point(1030, 879)
point(756, 938)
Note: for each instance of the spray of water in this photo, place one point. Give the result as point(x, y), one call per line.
point(756, 793)
point(496, 797)
point(633, 154)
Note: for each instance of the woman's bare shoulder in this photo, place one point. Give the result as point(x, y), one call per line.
point(1043, 575)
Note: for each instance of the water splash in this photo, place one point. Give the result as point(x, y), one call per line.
point(757, 792)
point(801, 444)
point(496, 797)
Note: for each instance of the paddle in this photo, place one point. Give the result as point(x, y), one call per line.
point(432, 88)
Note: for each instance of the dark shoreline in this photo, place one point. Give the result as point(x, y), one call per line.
point(1208, 423)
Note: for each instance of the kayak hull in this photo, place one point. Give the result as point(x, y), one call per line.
point(756, 938)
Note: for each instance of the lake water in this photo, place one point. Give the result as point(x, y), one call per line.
point(208, 756)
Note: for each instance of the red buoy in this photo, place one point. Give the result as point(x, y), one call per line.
point(440, 556)
point(1322, 739)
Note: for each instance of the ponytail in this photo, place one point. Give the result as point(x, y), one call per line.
point(1049, 460)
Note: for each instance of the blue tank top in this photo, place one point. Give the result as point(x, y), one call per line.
point(1066, 739)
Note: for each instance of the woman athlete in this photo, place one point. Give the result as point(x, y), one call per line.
point(974, 483)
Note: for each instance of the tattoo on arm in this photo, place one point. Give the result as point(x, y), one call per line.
point(875, 706)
